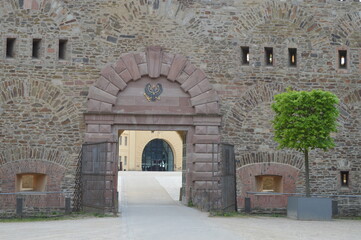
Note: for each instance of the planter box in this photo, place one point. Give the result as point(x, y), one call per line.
point(303, 208)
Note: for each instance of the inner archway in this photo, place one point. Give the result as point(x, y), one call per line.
point(157, 156)
point(159, 91)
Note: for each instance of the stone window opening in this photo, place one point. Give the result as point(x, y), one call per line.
point(33, 182)
point(10, 47)
point(269, 183)
point(245, 55)
point(36, 48)
point(342, 59)
point(62, 49)
point(120, 140)
point(125, 141)
point(125, 160)
point(292, 55)
point(344, 179)
point(269, 57)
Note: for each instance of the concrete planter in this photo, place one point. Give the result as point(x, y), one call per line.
point(303, 208)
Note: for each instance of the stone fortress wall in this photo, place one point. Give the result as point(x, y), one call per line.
point(42, 100)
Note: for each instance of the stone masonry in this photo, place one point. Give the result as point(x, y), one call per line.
point(49, 106)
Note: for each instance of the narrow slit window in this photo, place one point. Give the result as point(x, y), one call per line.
point(269, 56)
point(125, 160)
point(36, 48)
point(245, 55)
point(10, 47)
point(62, 49)
point(120, 140)
point(292, 54)
point(125, 141)
point(344, 179)
point(342, 55)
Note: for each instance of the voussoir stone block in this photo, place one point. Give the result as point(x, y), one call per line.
point(110, 74)
point(193, 79)
point(207, 97)
point(176, 67)
point(143, 69)
point(132, 66)
point(105, 107)
point(140, 58)
point(167, 58)
point(154, 55)
point(112, 89)
point(102, 83)
point(189, 68)
point(100, 95)
point(119, 66)
point(213, 108)
point(93, 105)
point(195, 91)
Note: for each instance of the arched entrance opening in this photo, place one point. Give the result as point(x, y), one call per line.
point(159, 91)
point(157, 156)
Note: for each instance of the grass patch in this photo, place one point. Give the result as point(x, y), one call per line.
point(349, 218)
point(55, 217)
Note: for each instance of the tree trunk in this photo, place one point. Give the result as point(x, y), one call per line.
point(307, 174)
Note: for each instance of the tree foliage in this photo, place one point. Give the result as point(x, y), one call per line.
point(304, 121)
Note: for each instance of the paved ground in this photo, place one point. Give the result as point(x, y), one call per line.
point(150, 212)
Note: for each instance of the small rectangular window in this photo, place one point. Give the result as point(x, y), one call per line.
point(342, 56)
point(344, 179)
point(125, 160)
point(10, 47)
point(292, 56)
point(245, 55)
point(36, 48)
point(269, 56)
point(125, 141)
point(62, 49)
point(120, 140)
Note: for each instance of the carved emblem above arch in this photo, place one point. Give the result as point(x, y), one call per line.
point(153, 63)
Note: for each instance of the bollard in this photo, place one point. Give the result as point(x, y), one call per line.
point(247, 205)
point(19, 206)
point(67, 206)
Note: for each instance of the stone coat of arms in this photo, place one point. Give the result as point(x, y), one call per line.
point(152, 92)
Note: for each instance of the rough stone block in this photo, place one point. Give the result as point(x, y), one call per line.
point(205, 85)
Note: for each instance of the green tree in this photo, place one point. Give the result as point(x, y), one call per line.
point(304, 121)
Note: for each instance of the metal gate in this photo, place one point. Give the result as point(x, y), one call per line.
point(229, 203)
point(99, 177)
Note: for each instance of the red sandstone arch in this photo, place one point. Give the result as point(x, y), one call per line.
point(202, 124)
point(154, 63)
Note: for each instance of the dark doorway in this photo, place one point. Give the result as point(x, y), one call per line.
point(157, 156)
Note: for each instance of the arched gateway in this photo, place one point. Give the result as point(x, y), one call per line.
point(156, 90)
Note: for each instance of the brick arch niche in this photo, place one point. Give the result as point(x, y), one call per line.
point(187, 104)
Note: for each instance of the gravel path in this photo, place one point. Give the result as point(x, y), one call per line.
point(150, 211)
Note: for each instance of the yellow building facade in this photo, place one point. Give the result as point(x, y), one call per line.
point(150, 151)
